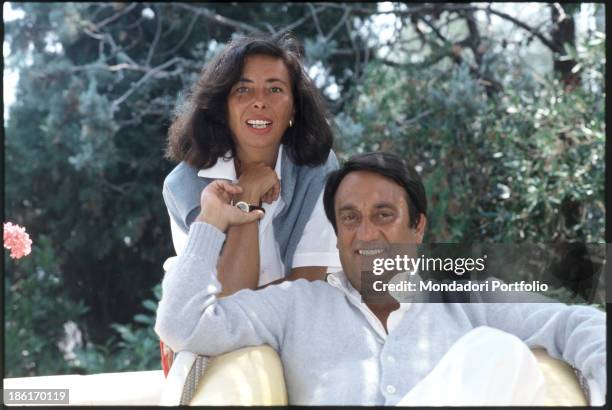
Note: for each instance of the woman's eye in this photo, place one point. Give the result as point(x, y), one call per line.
point(276, 90)
point(242, 90)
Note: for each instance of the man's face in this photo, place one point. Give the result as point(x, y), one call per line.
point(371, 214)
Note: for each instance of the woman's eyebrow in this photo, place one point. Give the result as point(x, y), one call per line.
point(273, 80)
point(269, 80)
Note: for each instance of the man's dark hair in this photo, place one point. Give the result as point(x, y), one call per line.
point(200, 132)
point(388, 165)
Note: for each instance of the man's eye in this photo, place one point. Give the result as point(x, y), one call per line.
point(384, 215)
point(348, 218)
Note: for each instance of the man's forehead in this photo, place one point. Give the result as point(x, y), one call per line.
point(367, 187)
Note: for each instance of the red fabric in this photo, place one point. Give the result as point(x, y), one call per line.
point(166, 357)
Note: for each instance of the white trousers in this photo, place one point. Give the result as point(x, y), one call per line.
point(485, 367)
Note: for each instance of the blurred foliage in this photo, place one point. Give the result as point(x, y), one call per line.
point(98, 83)
point(31, 334)
point(136, 348)
point(526, 164)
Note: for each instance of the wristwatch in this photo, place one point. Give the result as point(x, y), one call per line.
point(243, 206)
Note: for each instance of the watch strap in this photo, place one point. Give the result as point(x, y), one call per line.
point(256, 208)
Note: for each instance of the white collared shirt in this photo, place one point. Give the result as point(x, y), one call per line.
point(317, 247)
point(339, 280)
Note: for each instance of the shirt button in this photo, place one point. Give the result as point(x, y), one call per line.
point(391, 389)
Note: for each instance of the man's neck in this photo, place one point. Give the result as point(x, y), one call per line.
point(382, 310)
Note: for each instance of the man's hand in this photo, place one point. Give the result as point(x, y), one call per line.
point(216, 209)
point(260, 183)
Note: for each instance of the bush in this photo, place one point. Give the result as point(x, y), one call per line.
point(36, 312)
point(525, 164)
point(137, 347)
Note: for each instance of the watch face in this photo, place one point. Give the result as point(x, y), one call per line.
point(243, 206)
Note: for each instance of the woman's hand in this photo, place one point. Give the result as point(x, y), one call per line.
point(259, 183)
point(216, 209)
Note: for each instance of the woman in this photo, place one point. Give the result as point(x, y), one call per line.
point(255, 117)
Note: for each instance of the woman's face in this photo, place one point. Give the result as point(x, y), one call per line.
point(260, 104)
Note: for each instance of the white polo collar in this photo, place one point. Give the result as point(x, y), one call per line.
point(340, 281)
point(224, 168)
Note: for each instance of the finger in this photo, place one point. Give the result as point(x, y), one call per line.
point(226, 197)
point(276, 192)
point(272, 194)
point(228, 187)
point(239, 217)
point(267, 198)
point(219, 189)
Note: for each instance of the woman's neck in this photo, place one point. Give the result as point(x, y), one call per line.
point(245, 158)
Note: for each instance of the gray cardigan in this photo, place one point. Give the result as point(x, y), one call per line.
point(300, 189)
point(331, 353)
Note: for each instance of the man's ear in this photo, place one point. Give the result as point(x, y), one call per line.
point(420, 228)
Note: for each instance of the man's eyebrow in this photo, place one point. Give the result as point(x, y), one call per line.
point(347, 207)
point(384, 205)
point(380, 205)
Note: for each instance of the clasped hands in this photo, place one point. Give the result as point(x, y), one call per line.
point(257, 183)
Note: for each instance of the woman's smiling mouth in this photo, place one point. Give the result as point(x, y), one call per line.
point(259, 124)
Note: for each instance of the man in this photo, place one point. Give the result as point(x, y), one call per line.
point(339, 350)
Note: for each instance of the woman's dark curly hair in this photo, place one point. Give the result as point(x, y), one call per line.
point(200, 133)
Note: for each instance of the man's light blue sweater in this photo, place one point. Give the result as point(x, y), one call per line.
point(332, 353)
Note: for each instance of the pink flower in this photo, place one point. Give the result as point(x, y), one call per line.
point(17, 240)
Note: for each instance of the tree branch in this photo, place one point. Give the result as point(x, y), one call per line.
point(115, 104)
point(548, 43)
point(428, 8)
point(156, 38)
point(354, 46)
point(313, 13)
point(182, 40)
point(299, 22)
point(116, 15)
point(473, 40)
point(347, 12)
point(217, 18)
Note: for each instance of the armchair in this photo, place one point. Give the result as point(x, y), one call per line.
point(254, 376)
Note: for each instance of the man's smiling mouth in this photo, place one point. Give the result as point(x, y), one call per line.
point(370, 252)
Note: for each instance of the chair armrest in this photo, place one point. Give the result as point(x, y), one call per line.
point(247, 377)
point(562, 385)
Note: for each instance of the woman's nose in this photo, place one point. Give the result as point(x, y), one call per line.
point(259, 100)
point(259, 103)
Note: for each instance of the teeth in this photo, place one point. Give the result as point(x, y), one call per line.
point(370, 252)
point(259, 124)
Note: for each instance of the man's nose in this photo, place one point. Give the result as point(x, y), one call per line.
point(367, 231)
